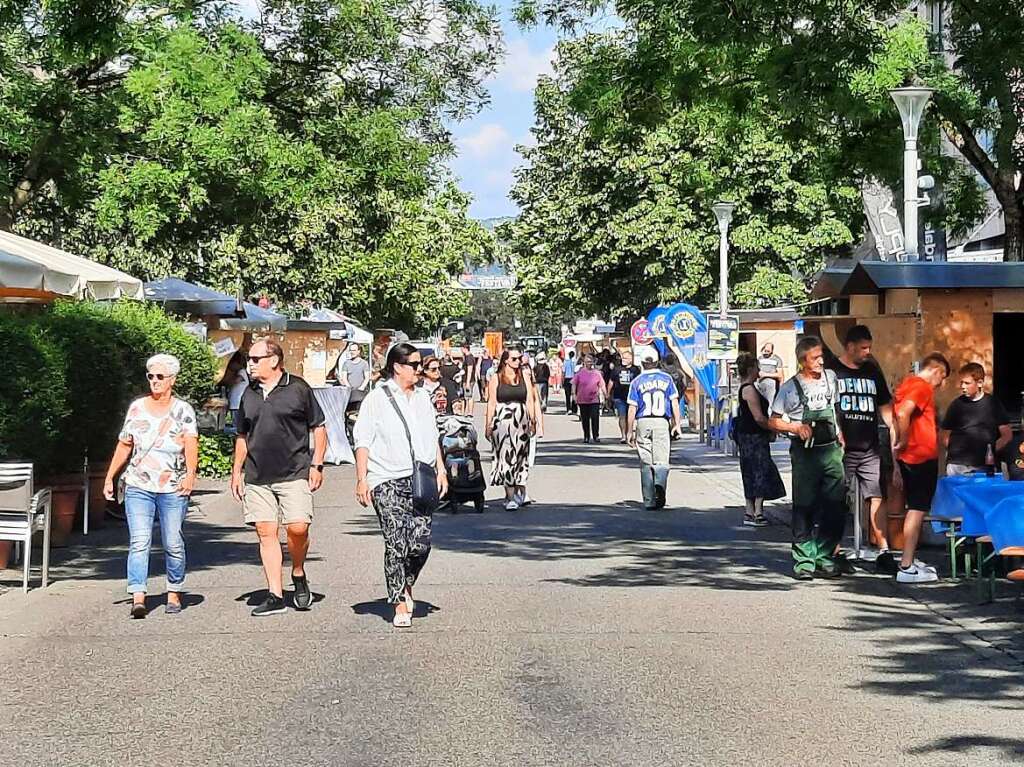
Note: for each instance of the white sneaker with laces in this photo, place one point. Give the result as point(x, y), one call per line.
point(915, 574)
point(924, 566)
point(511, 505)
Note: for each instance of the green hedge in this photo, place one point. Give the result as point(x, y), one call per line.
point(216, 455)
point(71, 369)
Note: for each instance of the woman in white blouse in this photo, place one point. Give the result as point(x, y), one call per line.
point(384, 471)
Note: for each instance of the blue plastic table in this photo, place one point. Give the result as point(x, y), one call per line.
point(982, 506)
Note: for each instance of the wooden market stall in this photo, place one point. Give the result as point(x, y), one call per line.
point(970, 312)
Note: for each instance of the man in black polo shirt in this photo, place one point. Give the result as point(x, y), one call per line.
point(276, 415)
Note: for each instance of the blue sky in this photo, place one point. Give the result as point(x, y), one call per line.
point(486, 144)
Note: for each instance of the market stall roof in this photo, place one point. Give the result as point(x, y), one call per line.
point(832, 279)
point(358, 335)
point(189, 298)
point(30, 269)
point(773, 314)
point(871, 277)
point(255, 319)
point(320, 319)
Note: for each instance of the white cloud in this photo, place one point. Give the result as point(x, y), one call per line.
point(490, 139)
point(522, 66)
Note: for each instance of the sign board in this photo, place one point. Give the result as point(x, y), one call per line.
point(641, 333)
point(195, 329)
point(224, 347)
point(723, 337)
point(337, 334)
point(569, 342)
point(798, 327)
point(486, 282)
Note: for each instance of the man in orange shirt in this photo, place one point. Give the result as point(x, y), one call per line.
point(917, 453)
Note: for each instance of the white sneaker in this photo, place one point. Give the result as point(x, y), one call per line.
point(511, 505)
point(922, 566)
point(915, 574)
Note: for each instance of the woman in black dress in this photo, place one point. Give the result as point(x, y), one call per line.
point(511, 403)
point(761, 480)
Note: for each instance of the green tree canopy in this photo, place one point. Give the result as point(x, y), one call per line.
point(616, 211)
point(826, 67)
point(299, 154)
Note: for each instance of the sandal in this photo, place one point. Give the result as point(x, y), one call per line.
point(402, 620)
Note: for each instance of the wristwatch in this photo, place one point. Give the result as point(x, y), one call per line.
point(319, 467)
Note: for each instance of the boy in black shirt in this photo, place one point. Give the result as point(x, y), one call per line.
point(974, 422)
point(864, 400)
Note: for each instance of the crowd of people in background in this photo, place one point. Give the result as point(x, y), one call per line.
point(844, 424)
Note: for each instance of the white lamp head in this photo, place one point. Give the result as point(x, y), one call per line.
point(723, 212)
point(911, 103)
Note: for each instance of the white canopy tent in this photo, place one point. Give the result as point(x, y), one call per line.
point(32, 270)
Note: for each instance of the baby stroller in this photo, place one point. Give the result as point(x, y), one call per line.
point(461, 462)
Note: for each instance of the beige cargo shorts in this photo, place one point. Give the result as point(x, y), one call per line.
point(281, 502)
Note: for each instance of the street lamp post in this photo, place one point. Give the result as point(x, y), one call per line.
point(723, 212)
point(911, 103)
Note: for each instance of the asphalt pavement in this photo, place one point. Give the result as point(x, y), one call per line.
point(581, 630)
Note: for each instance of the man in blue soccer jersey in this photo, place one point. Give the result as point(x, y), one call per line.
point(653, 401)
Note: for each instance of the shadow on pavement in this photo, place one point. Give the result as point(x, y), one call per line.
point(102, 555)
point(386, 611)
point(649, 548)
point(153, 601)
point(1011, 750)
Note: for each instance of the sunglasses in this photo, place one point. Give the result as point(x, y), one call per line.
point(417, 365)
point(434, 368)
point(515, 359)
point(257, 358)
point(157, 376)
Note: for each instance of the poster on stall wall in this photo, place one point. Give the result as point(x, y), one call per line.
point(224, 347)
point(723, 338)
point(195, 329)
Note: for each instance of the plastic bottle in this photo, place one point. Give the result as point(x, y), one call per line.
point(990, 462)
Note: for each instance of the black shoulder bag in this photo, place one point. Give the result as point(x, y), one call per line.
point(425, 495)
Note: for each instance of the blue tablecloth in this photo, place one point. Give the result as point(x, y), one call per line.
point(987, 506)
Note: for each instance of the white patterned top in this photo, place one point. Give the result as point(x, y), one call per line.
point(157, 463)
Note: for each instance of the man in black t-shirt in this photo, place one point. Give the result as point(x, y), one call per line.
point(620, 376)
point(974, 423)
point(542, 374)
point(863, 398)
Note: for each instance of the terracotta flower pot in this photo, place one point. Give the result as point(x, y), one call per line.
point(97, 503)
point(6, 549)
point(63, 513)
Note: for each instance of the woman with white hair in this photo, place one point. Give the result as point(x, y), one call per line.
point(159, 443)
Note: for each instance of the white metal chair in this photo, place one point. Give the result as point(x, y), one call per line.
point(22, 513)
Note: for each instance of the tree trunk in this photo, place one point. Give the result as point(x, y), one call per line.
point(1013, 216)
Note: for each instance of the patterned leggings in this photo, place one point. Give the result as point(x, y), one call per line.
point(406, 536)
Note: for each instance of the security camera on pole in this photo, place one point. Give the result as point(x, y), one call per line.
point(911, 103)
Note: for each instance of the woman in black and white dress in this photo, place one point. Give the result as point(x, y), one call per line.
point(384, 468)
point(511, 403)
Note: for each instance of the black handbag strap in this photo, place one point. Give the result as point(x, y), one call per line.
point(408, 434)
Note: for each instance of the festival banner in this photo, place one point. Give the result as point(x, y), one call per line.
point(656, 327)
point(688, 336)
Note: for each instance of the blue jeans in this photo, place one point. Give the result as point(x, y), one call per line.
point(141, 506)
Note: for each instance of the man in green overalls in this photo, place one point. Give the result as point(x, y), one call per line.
point(805, 410)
